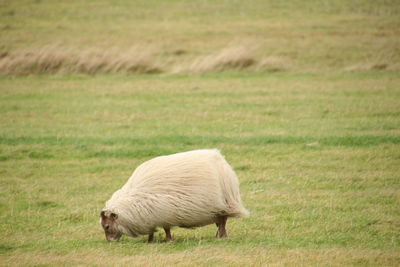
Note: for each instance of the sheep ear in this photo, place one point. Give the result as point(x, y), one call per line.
point(113, 216)
point(102, 214)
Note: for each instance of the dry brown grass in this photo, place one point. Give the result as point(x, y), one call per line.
point(366, 67)
point(236, 58)
point(232, 58)
point(56, 59)
point(273, 64)
point(137, 60)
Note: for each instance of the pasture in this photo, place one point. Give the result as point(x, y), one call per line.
point(303, 99)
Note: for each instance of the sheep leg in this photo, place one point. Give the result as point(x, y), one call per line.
point(151, 237)
point(217, 224)
point(168, 237)
point(221, 223)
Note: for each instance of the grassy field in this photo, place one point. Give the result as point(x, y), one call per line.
point(303, 99)
point(104, 36)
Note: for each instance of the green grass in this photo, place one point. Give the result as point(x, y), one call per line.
point(317, 156)
point(315, 143)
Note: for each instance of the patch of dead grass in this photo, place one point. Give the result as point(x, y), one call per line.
point(273, 64)
point(55, 59)
point(233, 58)
point(366, 67)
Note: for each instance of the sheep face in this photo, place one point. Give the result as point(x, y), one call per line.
point(108, 221)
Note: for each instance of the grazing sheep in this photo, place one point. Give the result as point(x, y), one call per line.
point(188, 189)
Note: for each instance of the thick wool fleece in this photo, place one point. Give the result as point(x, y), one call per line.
point(187, 189)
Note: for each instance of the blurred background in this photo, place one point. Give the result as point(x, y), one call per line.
point(121, 36)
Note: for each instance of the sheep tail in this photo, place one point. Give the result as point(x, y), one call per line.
point(230, 187)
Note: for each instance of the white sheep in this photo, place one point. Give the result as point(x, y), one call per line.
point(188, 189)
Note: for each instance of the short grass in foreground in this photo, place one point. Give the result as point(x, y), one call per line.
point(317, 156)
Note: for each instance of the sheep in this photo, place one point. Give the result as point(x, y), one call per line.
point(188, 189)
